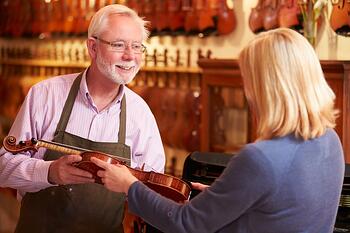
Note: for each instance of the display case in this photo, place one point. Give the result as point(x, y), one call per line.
point(227, 123)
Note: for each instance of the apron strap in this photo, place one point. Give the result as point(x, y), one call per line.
point(68, 106)
point(122, 122)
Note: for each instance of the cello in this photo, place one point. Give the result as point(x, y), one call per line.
point(166, 185)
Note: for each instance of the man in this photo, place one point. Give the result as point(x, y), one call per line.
point(93, 110)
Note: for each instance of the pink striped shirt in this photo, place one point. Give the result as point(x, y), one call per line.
point(39, 116)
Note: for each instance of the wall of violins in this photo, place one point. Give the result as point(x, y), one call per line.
point(47, 18)
point(43, 38)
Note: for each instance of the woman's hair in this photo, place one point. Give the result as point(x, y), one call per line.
point(285, 86)
point(99, 20)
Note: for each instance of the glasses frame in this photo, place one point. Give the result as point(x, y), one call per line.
point(110, 43)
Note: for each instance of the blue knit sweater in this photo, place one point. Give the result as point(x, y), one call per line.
point(279, 185)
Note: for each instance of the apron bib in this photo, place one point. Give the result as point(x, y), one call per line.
point(82, 208)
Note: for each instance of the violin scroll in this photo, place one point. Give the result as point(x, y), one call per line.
point(9, 144)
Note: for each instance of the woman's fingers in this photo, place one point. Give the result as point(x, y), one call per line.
point(99, 162)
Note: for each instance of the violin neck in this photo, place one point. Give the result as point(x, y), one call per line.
point(66, 149)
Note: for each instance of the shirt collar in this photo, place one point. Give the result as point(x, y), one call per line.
point(85, 91)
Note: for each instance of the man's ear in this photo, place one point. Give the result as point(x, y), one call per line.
point(92, 47)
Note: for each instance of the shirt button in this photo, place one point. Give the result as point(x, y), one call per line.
point(170, 214)
point(70, 189)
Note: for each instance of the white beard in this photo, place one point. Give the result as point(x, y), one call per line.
point(110, 70)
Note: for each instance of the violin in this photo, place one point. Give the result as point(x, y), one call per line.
point(166, 185)
point(68, 17)
point(206, 24)
point(162, 17)
point(256, 17)
point(289, 13)
point(271, 14)
point(226, 18)
point(149, 13)
point(192, 16)
point(340, 17)
point(177, 16)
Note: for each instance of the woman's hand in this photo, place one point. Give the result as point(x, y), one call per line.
point(199, 186)
point(115, 177)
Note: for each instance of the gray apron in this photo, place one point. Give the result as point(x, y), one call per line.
point(79, 207)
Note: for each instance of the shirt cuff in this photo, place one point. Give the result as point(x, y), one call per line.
point(42, 172)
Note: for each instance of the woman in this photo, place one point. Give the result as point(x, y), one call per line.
point(289, 180)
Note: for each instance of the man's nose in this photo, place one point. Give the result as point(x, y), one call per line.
point(128, 53)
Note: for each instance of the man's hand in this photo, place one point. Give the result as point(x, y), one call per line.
point(62, 171)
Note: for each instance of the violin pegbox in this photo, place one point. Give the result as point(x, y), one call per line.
point(10, 145)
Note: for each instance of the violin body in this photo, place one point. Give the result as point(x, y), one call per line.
point(270, 14)
point(68, 18)
point(256, 18)
point(162, 18)
point(177, 16)
point(166, 185)
point(206, 24)
point(148, 12)
point(288, 14)
point(55, 25)
point(340, 16)
point(226, 19)
point(87, 165)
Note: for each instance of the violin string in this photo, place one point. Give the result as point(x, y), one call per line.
point(79, 149)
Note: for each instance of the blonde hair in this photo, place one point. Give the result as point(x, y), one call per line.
point(99, 20)
point(285, 86)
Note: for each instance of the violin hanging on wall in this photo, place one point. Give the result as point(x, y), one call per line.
point(177, 17)
point(226, 22)
point(148, 12)
point(162, 22)
point(340, 17)
point(256, 17)
point(192, 16)
point(206, 24)
point(271, 14)
point(288, 15)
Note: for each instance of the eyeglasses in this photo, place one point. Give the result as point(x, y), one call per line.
point(120, 45)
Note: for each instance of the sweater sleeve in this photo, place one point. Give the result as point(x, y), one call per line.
point(245, 183)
